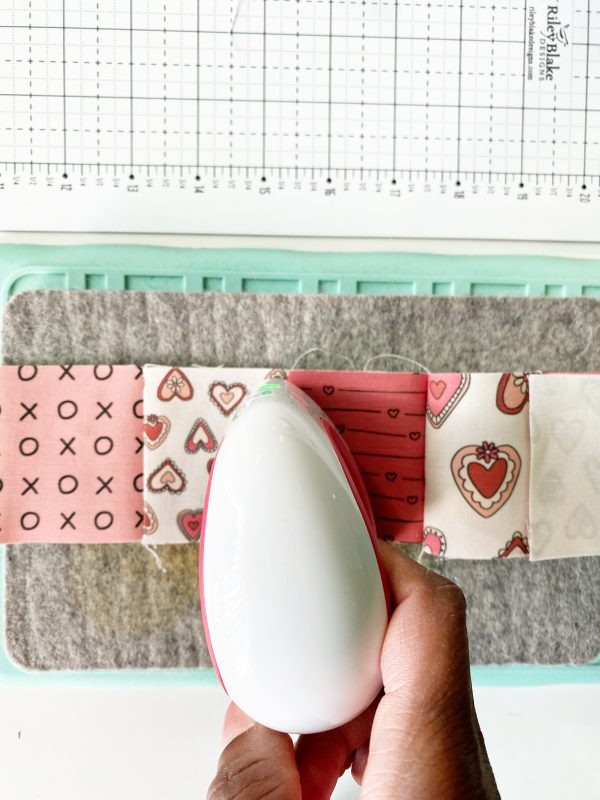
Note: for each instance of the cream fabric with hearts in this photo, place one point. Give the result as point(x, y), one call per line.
point(186, 411)
point(565, 466)
point(476, 465)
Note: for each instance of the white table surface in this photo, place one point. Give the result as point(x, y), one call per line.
point(76, 744)
point(151, 744)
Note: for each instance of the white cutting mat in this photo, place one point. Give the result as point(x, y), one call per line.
point(304, 117)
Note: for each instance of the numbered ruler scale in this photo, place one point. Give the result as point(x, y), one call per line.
point(434, 118)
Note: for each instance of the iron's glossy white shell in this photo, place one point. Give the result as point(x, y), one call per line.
point(293, 596)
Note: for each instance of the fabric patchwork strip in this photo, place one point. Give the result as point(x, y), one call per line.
point(477, 460)
point(111, 454)
point(381, 416)
point(186, 412)
point(565, 464)
point(71, 461)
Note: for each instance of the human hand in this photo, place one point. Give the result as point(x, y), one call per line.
point(420, 739)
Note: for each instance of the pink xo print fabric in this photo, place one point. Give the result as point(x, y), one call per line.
point(71, 462)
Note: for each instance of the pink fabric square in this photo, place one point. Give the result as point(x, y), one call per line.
point(71, 461)
point(381, 416)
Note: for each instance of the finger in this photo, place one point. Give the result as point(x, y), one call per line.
point(256, 763)
point(234, 724)
point(404, 574)
point(426, 639)
point(323, 757)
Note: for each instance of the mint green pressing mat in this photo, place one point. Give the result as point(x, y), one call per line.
point(141, 268)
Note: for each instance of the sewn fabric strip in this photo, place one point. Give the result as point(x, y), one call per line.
point(186, 412)
point(381, 416)
point(109, 454)
point(477, 460)
point(71, 463)
point(565, 464)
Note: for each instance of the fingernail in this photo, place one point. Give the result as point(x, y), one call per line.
point(234, 724)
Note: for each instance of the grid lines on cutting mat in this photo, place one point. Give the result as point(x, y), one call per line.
point(320, 87)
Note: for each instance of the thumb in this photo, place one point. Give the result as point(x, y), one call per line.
point(425, 741)
point(256, 762)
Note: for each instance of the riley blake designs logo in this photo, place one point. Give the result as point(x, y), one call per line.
point(554, 39)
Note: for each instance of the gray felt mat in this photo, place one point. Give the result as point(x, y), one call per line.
point(103, 606)
point(72, 607)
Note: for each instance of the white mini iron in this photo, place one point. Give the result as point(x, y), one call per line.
point(294, 601)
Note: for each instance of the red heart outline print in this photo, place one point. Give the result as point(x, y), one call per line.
point(444, 392)
point(167, 477)
point(175, 384)
point(512, 394)
point(276, 374)
point(227, 396)
point(200, 438)
point(518, 544)
point(486, 475)
point(156, 430)
point(434, 541)
point(189, 522)
point(487, 480)
point(150, 520)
